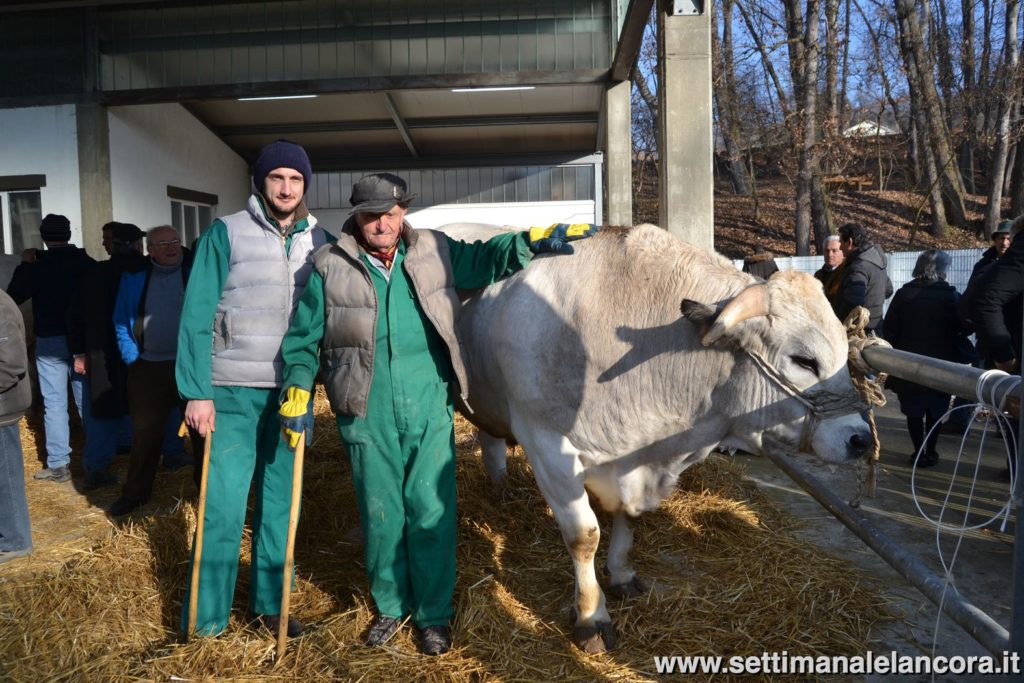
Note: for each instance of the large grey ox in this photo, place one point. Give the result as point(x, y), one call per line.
point(622, 365)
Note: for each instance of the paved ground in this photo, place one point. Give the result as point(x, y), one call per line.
point(982, 568)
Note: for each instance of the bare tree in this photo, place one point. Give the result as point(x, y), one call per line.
point(930, 119)
point(1006, 98)
point(724, 89)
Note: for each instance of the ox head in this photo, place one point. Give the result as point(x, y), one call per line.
point(792, 385)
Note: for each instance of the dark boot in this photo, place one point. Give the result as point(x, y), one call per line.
point(382, 629)
point(435, 640)
point(272, 622)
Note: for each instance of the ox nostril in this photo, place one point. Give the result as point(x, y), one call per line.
point(858, 445)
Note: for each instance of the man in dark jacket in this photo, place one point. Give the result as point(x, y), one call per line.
point(15, 398)
point(91, 339)
point(50, 278)
point(1012, 311)
point(863, 281)
point(995, 307)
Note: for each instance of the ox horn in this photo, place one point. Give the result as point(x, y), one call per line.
point(752, 302)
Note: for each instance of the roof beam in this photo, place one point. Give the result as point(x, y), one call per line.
point(403, 129)
point(343, 85)
point(628, 48)
point(410, 124)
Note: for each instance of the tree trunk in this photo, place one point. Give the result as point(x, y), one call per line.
point(725, 97)
point(802, 33)
point(1006, 96)
point(932, 120)
point(930, 179)
point(969, 96)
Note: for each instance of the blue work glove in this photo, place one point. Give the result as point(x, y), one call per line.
point(555, 238)
point(292, 415)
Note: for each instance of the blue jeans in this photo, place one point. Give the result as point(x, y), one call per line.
point(55, 365)
point(15, 531)
point(102, 438)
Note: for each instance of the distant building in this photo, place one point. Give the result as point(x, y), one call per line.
point(868, 129)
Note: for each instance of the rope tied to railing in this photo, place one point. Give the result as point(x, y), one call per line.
point(869, 385)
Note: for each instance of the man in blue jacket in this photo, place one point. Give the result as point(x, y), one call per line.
point(146, 316)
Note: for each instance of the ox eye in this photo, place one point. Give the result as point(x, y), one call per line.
point(808, 364)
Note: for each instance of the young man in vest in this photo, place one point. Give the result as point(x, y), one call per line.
point(249, 270)
point(394, 401)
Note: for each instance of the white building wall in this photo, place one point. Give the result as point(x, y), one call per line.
point(43, 140)
point(153, 146)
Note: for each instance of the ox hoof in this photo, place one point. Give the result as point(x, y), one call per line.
point(633, 588)
point(594, 639)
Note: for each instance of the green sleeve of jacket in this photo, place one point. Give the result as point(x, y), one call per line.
point(193, 367)
point(300, 348)
point(479, 264)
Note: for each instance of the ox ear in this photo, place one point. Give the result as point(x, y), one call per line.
point(752, 302)
point(701, 315)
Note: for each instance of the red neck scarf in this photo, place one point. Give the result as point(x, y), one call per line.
point(385, 256)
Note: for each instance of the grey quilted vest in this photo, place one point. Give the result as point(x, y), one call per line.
point(350, 308)
point(263, 285)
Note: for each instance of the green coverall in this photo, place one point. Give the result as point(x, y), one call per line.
point(403, 452)
point(246, 442)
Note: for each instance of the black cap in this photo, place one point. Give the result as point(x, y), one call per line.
point(126, 233)
point(55, 228)
point(378, 193)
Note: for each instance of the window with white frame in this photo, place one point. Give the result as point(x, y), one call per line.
point(21, 212)
point(192, 212)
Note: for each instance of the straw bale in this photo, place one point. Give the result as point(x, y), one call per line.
point(729, 577)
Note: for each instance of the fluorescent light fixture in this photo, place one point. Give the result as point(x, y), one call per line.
point(276, 97)
point(499, 88)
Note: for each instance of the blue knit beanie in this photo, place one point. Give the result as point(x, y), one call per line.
point(282, 154)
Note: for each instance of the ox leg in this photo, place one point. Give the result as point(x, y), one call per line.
point(494, 452)
point(559, 475)
point(624, 581)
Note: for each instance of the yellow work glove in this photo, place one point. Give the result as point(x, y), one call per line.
point(554, 239)
point(292, 415)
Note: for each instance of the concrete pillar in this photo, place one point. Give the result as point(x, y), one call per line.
point(685, 143)
point(94, 175)
point(618, 147)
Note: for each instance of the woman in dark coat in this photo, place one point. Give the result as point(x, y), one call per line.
point(922, 319)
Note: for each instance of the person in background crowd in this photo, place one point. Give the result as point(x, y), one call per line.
point(91, 340)
point(830, 274)
point(380, 308)
point(15, 399)
point(1012, 312)
point(762, 265)
point(146, 317)
point(922, 319)
point(863, 280)
point(249, 271)
point(50, 278)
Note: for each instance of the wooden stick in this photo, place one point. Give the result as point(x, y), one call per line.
point(193, 596)
point(289, 555)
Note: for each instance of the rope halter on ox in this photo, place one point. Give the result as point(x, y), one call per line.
point(821, 404)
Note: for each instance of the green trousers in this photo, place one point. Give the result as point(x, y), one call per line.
point(403, 468)
point(247, 444)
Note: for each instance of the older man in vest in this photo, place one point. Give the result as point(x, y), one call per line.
point(385, 282)
point(249, 271)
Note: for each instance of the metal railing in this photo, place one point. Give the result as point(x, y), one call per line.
point(963, 381)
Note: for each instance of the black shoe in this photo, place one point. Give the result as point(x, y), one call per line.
point(272, 622)
point(95, 479)
point(929, 460)
point(122, 506)
point(56, 474)
point(435, 640)
point(382, 629)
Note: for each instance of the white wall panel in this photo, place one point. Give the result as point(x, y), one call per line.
point(153, 146)
point(42, 140)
